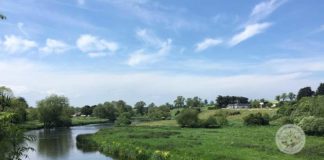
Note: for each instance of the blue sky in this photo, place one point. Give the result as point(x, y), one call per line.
point(101, 50)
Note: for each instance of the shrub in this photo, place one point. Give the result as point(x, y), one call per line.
point(221, 120)
point(123, 120)
point(286, 120)
point(211, 108)
point(188, 118)
point(256, 119)
point(312, 125)
point(210, 122)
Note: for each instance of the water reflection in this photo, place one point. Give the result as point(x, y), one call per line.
point(60, 144)
point(55, 142)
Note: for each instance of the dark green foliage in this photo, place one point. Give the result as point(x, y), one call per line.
point(188, 118)
point(210, 122)
point(140, 107)
point(194, 102)
point(305, 92)
point(86, 110)
point(257, 119)
point(312, 125)
point(179, 102)
point(320, 89)
point(159, 113)
point(106, 110)
point(223, 101)
point(123, 119)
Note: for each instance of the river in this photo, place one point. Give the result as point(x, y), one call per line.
point(60, 144)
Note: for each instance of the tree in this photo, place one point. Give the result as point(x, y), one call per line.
point(106, 110)
point(6, 95)
point(52, 111)
point(284, 96)
point(179, 102)
point(278, 98)
point(206, 102)
point(291, 96)
point(86, 110)
point(320, 89)
point(140, 107)
point(305, 92)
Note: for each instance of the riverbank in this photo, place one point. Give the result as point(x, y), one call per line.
point(76, 121)
point(166, 140)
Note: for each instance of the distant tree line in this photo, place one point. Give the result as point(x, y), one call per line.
point(223, 101)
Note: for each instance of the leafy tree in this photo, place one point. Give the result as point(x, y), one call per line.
point(305, 92)
point(223, 101)
point(291, 96)
point(179, 102)
point(320, 89)
point(205, 102)
point(122, 107)
point(52, 111)
point(151, 105)
point(140, 107)
point(159, 113)
point(106, 110)
point(278, 98)
point(284, 96)
point(86, 110)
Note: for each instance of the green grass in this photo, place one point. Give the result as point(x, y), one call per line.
point(233, 142)
point(76, 121)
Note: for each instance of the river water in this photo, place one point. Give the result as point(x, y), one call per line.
point(60, 144)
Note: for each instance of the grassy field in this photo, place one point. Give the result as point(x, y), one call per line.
point(76, 121)
point(233, 142)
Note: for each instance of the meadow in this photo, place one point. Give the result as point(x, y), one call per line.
point(232, 142)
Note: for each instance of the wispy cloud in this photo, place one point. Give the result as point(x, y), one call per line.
point(253, 26)
point(15, 44)
point(206, 43)
point(54, 47)
point(248, 32)
point(20, 27)
point(160, 48)
point(264, 9)
point(95, 46)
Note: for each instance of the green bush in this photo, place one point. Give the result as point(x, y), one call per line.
point(221, 120)
point(312, 125)
point(188, 118)
point(257, 119)
point(123, 120)
point(210, 122)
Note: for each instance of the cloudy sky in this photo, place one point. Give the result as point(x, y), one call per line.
point(101, 50)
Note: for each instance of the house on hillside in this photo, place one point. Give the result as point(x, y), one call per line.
point(238, 106)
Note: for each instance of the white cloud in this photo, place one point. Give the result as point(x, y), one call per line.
point(93, 45)
point(208, 42)
point(264, 9)
point(148, 37)
point(248, 32)
point(137, 86)
point(156, 49)
point(54, 46)
point(14, 44)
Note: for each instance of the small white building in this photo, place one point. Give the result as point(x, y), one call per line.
point(238, 106)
